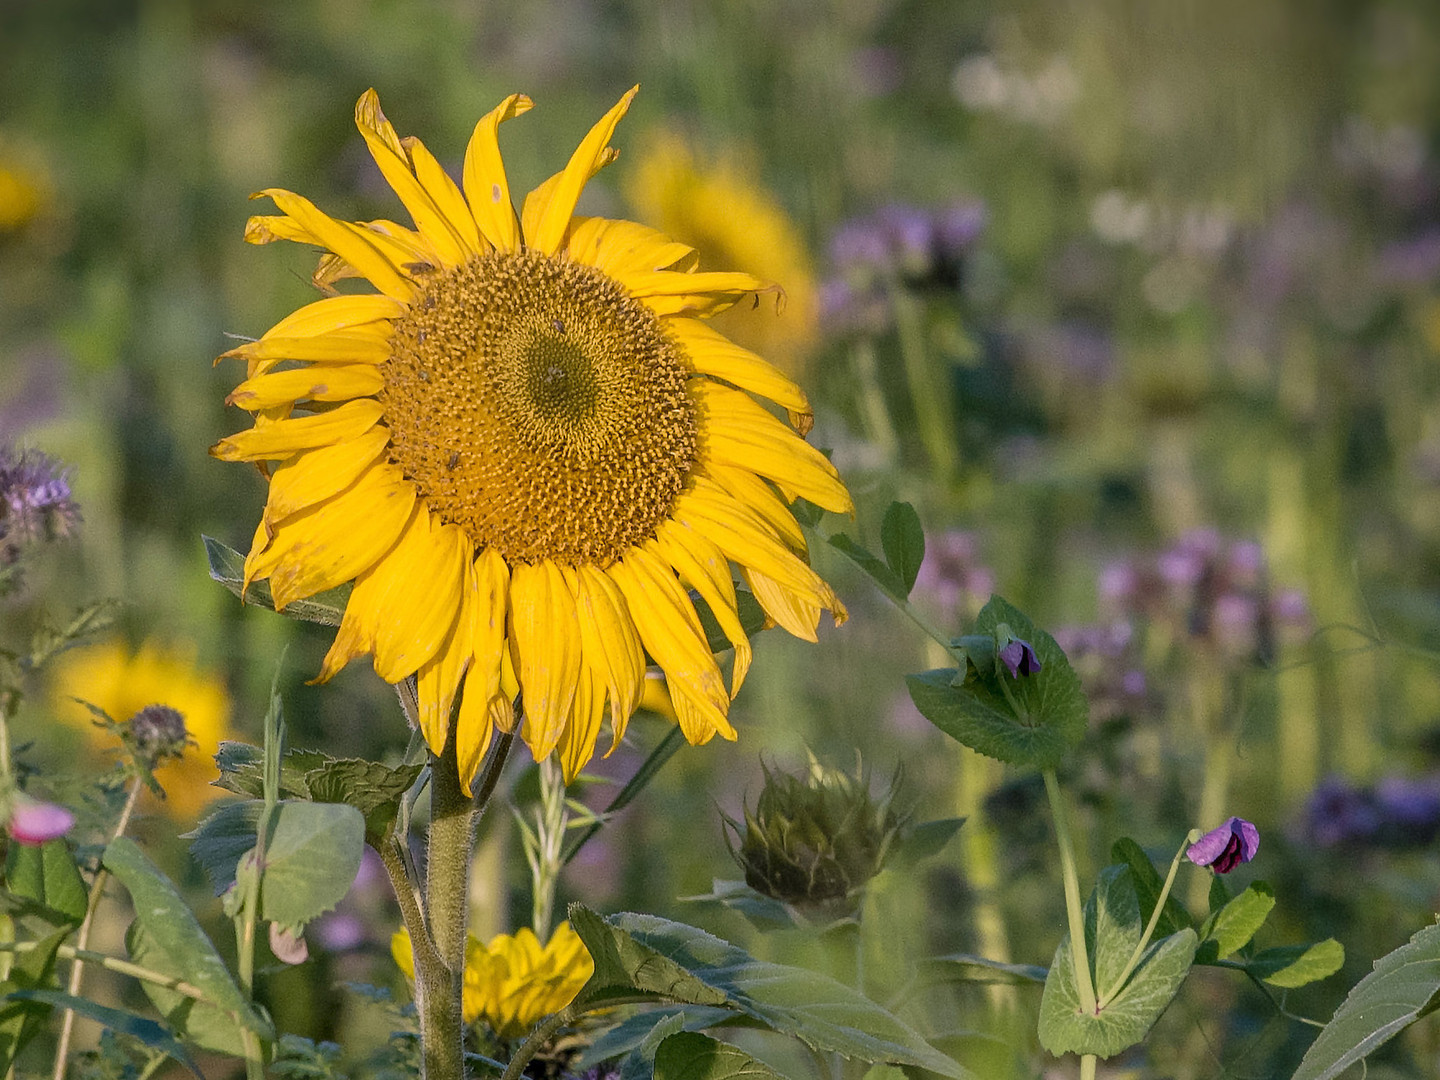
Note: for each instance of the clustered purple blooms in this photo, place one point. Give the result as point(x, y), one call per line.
point(1227, 847)
point(35, 502)
point(1208, 590)
point(1395, 813)
point(897, 243)
point(1107, 659)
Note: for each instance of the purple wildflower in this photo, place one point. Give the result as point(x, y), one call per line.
point(1019, 658)
point(35, 502)
point(33, 822)
point(1227, 847)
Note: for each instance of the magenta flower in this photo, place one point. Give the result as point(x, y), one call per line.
point(34, 822)
point(1019, 658)
point(1227, 847)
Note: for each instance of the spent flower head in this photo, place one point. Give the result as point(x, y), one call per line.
point(1225, 848)
point(816, 840)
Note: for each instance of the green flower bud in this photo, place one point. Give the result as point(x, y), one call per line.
point(815, 840)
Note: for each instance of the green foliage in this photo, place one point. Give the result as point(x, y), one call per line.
point(21, 1020)
point(148, 1032)
point(1403, 987)
point(681, 964)
point(198, 1022)
point(1231, 927)
point(312, 854)
point(879, 571)
point(634, 1032)
point(1032, 721)
point(1148, 886)
point(903, 541)
point(689, 1055)
point(967, 967)
point(227, 566)
point(46, 873)
point(220, 841)
point(1113, 928)
point(1291, 966)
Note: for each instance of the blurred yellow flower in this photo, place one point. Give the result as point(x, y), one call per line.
point(513, 983)
point(122, 684)
point(720, 208)
point(24, 189)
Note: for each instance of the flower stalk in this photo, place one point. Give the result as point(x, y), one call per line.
point(1109, 995)
point(1084, 986)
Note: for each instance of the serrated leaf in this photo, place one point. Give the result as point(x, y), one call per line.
point(168, 922)
point(1053, 714)
point(1290, 966)
point(1404, 986)
point(1230, 929)
point(227, 566)
point(689, 1055)
point(46, 873)
point(882, 575)
point(971, 968)
point(903, 541)
point(650, 953)
point(219, 842)
point(1148, 886)
point(156, 1036)
point(49, 640)
point(242, 770)
point(197, 1022)
point(1112, 930)
point(312, 854)
point(370, 787)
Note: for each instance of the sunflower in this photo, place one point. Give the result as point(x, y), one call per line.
point(528, 450)
point(122, 684)
point(513, 982)
point(719, 206)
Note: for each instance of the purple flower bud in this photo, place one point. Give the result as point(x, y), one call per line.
point(1227, 847)
point(1019, 658)
point(34, 822)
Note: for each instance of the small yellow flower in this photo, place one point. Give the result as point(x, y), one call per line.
point(528, 450)
point(723, 211)
point(24, 188)
point(122, 684)
point(513, 983)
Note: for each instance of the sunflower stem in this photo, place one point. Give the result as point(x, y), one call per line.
point(439, 982)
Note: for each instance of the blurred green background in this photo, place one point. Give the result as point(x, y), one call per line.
point(1076, 279)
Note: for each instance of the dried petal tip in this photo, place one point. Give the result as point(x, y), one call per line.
point(1019, 658)
point(36, 822)
point(1225, 848)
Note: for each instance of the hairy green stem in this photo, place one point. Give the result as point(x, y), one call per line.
point(82, 937)
point(1078, 950)
point(1119, 984)
point(439, 985)
point(536, 1039)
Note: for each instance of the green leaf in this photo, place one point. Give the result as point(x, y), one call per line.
point(49, 640)
point(634, 1031)
point(1148, 885)
point(903, 541)
point(692, 967)
point(883, 576)
point(222, 839)
point(1231, 928)
point(763, 912)
point(21, 1020)
point(46, 873)
point(370, 787)
point(928, 839)
point(156, 1036)
point(689, 1055)
point(167, 921)
point(1053, 715)
point(312, 855)
point(242, 770)
point(197, 1022)
point(979, 969)
point(1290, 966)
point(1404, 986)
point(1112, 930)
point(639, 1064)
point(227, 566)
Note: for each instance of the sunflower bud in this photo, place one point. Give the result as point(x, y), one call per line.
point(816, 840)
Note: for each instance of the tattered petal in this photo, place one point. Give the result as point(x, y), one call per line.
point(318, 474)
point(625, 247)
point(702, 566)
point(610, 642)
point(282, 438)
point(486, 188)
point(345, 240)
point(328, 382)
point(593, 153)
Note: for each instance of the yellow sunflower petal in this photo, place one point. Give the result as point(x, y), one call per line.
point(742, 536)
point(486, 188)
point(740, 432)
point(702, 566)
point(756, 493)
point(697, 719)
point(488, 625)
point(318, 474)
point(593, 153)
point(474, 731)
point(332, 382)
point(339, 313)
point(797, 611)
point(345, 240)
point(395, 165)
point(438, 679)
point(714, 354)
point(610, 643)
point(547, 639)
point(446, 195)
point(671, 631)
point(701, 293)
point(577, 743)
point(624, 247)
point(282, 438)
point(353, 347)
point(333, 541)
